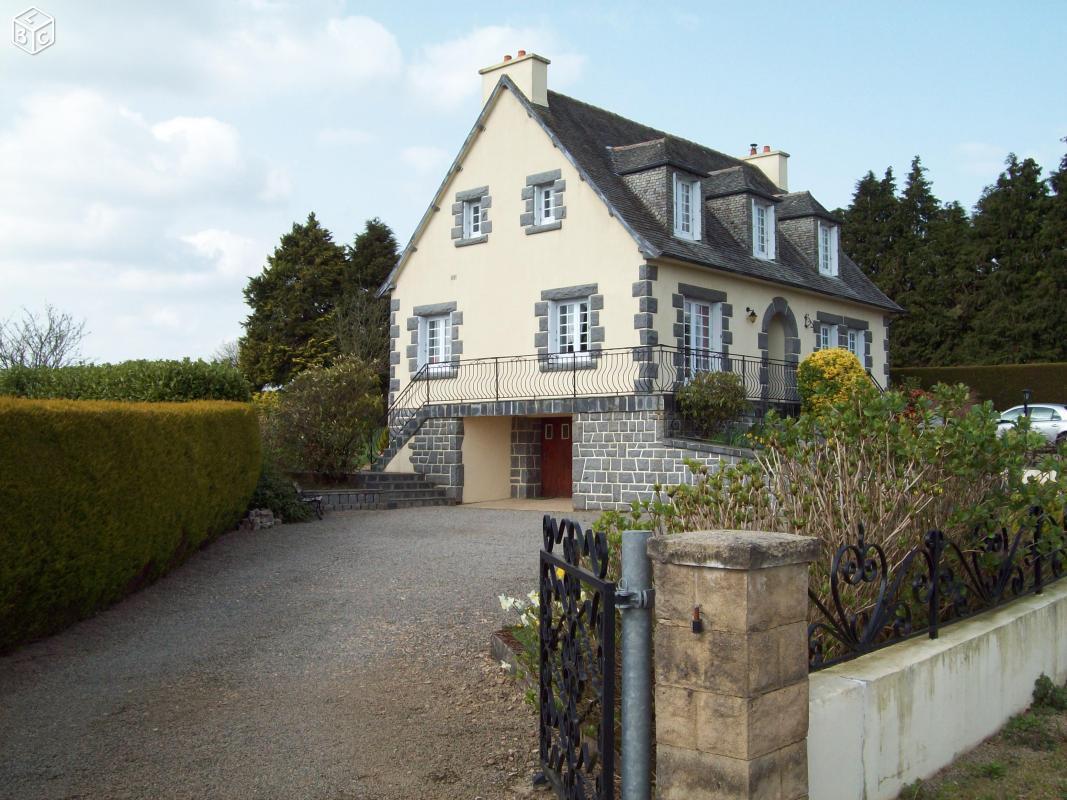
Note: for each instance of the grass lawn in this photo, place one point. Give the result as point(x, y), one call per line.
point(1027, 758)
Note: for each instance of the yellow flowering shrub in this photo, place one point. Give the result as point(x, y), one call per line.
point(828, 377)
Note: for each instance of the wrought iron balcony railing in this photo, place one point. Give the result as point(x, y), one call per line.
point(648, 370)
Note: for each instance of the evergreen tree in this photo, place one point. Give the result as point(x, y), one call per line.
point(373, 255)
point(868, 230)
point(1008, 223)
point(293, 302)
point(363, 317)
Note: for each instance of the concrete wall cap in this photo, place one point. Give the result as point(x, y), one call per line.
point(734, 549)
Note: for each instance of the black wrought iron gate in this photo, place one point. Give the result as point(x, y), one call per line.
point(577, 663)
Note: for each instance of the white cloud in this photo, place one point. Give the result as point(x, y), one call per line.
point(276, 54)
point(446, 74)
point(233, 254)
point(277, 186)
point(424, 158)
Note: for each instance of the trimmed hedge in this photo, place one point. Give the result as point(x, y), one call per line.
point(100, 498)
point(141, 381)
point(1003, 383)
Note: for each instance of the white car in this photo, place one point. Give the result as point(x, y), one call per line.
point(1048, 419)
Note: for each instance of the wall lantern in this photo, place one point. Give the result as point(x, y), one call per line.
point(809, 322)
point(751, 314)
point(1027, 394)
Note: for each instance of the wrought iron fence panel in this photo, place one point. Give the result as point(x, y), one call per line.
point(576, 663)
point(873, 604)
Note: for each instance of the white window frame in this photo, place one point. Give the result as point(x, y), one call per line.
point(437, 358)
point(828, 247)
point(828, 336)
point(687, 208)
point(473, 217)
point(763, 246)
point(701, 358)
point(571, 345)
point(544, 213)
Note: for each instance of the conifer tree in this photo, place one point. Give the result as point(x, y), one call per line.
point(293, 304)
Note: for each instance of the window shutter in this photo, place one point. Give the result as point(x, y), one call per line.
point(755, 229)
point(771, 232)
point(696, 204)
point(422, 354)
point(446, 338)
point(674, 193)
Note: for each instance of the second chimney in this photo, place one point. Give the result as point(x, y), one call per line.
point(773, 164)
point(528, 71)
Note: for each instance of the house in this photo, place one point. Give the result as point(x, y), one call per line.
point(572, 270)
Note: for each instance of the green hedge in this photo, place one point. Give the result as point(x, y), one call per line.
point(99, 498)
point(141, 381)
point(1003, 384)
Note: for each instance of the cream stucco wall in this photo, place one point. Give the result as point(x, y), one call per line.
point(742, 293)
point(401, 462)
point(496, 284)
point(486, 458)
point(900, 714)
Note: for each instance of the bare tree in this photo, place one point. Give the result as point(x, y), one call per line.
point(226, 353)
point(49, 340)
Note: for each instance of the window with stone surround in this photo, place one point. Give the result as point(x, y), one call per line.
point(827, 336)
point(828, 249)
point(435, 345)
point(763, 237)
point(569, 329)
point(543, 203)
point(470, 213)
point(687, 203)
point(702, 326)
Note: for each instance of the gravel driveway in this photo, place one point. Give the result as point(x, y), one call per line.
point(335, 659)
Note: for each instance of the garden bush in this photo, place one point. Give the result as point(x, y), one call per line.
point(325, 417)
point(713, 400)
point(100, 498)
point(830, 376)
point(1002, 384)
point(275, 490)
point(140, 381)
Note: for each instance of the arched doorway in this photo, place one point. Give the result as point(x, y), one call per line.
point(779, 343)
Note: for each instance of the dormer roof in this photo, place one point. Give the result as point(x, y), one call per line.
point(801, 204)
point(737, 180)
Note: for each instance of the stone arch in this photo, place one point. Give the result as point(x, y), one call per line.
point(778, 377)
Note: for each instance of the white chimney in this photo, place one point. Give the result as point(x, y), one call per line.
point(773, 163)
point(528, 71)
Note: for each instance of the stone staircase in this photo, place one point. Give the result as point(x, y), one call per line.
point(398, 438)
point(372, 491)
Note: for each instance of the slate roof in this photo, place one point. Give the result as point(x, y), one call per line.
point(802, 204)
point(606, 146)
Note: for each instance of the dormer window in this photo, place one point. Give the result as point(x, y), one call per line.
point(762, 229)
point(827, 249)
point(686, 208)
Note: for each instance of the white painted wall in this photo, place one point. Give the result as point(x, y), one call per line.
point(884, 720)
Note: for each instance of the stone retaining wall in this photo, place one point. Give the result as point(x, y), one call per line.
point(437, 454)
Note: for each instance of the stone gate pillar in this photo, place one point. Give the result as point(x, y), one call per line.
point(731, 698)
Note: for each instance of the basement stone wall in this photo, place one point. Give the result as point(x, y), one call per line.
point(620, 455)
point(437, 454)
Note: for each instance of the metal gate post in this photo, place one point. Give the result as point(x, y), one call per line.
point(635, 598)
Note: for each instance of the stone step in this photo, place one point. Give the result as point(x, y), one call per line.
point(387, 505)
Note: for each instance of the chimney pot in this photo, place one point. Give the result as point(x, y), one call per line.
point(752, 149)
point(507, 58)
point(766, 148)
point(522, 53)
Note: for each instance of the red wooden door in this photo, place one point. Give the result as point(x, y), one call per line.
point(556, 457)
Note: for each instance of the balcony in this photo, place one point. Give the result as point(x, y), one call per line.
point(648, 370)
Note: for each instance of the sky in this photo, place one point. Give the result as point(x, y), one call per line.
point(151, 158)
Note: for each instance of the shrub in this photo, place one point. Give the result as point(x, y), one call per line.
point(326, 415)
point(1002, 384)
point(275, 491)
point(713, 400)
point(99, 498)
point(141, 381)
point(830, 376)
point(868, 461)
